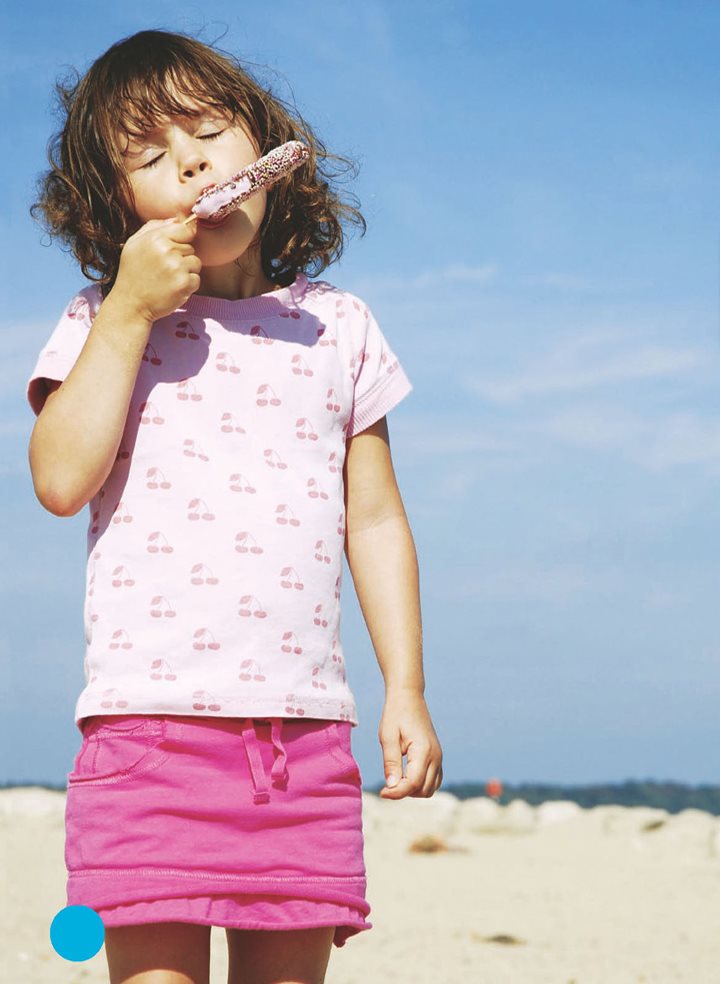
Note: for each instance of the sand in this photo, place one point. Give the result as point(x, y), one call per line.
point(512, 893)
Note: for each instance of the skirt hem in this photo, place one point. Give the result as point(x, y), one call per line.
point(241, 912)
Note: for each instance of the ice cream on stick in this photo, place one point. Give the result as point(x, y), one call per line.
point(216, 202)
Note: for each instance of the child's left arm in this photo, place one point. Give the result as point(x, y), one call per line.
point(381, 556)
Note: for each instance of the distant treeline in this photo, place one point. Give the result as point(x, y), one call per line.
point(670, 796)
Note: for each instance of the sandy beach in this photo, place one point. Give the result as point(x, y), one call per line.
point(461, 891)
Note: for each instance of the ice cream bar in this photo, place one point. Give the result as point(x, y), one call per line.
point(216, 202)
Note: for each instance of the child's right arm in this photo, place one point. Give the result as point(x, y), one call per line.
point(77, 434)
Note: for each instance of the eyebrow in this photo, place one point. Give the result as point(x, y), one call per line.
point(145, 139)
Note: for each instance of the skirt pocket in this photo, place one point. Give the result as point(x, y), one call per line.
point(117, 749)
point(339, 736)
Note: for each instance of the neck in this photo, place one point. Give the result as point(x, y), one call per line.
point(233, 283)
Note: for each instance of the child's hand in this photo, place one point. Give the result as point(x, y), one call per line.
point(406, 729)
point(158, 268)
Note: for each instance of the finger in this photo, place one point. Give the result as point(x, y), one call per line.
point(182, 231)
point(393, 764)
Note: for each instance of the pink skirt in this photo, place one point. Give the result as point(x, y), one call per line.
point(235, 822)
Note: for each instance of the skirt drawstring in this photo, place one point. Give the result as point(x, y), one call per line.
point(279, 771)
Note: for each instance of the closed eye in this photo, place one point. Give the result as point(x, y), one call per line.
point(152, 163)
point(204, 136)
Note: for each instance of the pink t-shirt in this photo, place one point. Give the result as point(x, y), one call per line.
point(215, 546)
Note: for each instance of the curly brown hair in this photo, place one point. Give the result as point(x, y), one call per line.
point(85, 198)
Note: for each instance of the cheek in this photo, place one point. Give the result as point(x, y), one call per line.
point(256, 206)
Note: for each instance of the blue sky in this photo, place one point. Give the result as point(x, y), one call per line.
point(540, 183)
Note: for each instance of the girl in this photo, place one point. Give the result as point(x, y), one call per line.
point(224, 417)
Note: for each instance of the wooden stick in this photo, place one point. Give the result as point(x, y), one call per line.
point(189, 219)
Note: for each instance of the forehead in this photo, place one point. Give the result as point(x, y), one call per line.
point(137, 122)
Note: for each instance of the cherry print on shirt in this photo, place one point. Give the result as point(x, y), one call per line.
point(184, 329)
point(121, 514)
point(261, 401)
point(273, 459)
point(320, 554)
point(332, 403)
point(190, 452)
point(290, 314)
point(338, 582)
point(316, 491)
point(245, 676)
point(305, 425)
point(281, 514)
point(325, 341)
point(123, 453)
point(361, 358)
point(300, 366)
point(203, 701)
point(293, 706)
point(339, 309)
point(121, 578)
point(224, 362)
point(120, 634)
point(247, 612)
point(316, 671)
point(159, 664)
point(297, 648)
point(341, 524)
point(241, 541)
point(201, 637)
point(149, 413)
point(207, 576)
point(259, 336)
point(228, 428)
point(345, 712)
point(79, 309)
point(195, 505)
point(287, 572)
point(238, 483)
point(318, 620)
point(154, 539)
point(107, 701)
point(154, 359)
point(161, 607)
point(332, 467)
point(156, 479)
point(188, 391)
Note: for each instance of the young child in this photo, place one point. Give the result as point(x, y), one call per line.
point(224, 417)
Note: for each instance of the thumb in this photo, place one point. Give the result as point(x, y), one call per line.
point(393, 767)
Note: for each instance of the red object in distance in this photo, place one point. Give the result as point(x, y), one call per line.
point(493, 787)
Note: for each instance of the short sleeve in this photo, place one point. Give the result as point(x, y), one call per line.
point(380, 380)
point(64, 345)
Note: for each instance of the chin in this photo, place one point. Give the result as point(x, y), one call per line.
point(215, 255)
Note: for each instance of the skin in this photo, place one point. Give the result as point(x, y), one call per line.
point(167, 169)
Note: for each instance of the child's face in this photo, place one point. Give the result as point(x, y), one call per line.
point(169, 167)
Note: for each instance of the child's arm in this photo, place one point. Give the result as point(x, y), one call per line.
point(383, 562)
point(76, 437)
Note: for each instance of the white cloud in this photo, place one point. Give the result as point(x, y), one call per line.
point(571, 367)
point(563, 281)
point(436, 279)
point(658, 443)
point(559, 584)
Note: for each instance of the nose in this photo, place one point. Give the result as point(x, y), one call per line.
point(191, 157)
point(193, 163)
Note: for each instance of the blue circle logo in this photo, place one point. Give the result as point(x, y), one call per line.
point(77, 932)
